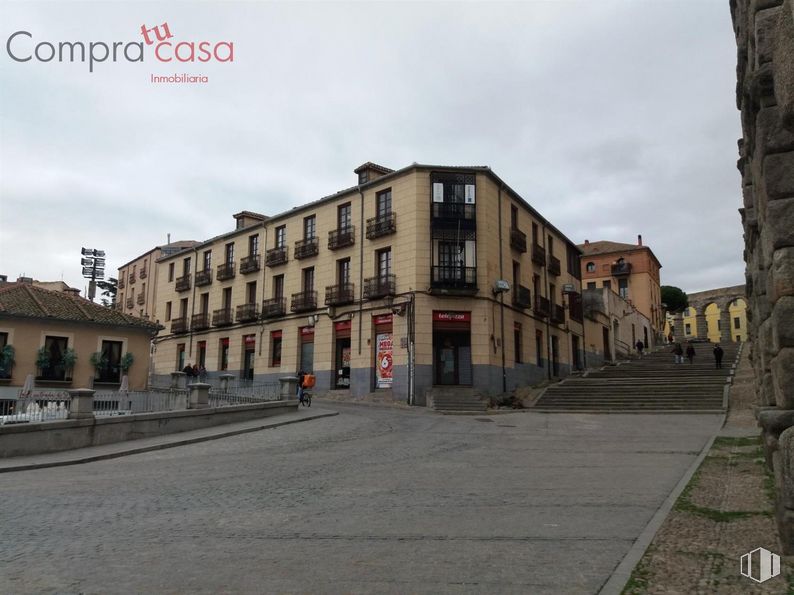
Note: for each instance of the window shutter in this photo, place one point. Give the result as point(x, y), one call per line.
point(438, 192)
point(469, 194)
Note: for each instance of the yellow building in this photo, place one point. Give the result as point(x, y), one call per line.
point(718, 315)
point(422, 277)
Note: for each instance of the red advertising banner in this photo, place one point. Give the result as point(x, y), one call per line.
point(344, 325)
point(382, 319)
point(307, 330)
point(250, 340)
point(383, 360)
point(451, 316)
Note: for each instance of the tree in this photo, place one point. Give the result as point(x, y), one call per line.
point(109, 289)
point(674, 299)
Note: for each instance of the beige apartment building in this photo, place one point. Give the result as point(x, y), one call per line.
point(422, 277)
point(137, 287)
point(633, 272)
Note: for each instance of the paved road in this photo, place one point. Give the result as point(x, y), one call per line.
point(372, 500)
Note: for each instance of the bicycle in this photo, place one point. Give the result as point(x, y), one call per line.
point(306, 398)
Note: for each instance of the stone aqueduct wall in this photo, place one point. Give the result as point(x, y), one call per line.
point(722, 298)
point(764, 32)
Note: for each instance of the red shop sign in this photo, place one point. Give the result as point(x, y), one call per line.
point(344, 325)
point(307, 330)
point(275, 334)
point(452, 316)
point(250, 339)
point(383, 319)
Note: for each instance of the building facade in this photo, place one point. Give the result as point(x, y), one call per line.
point(630, 270)
point(422, 277)
point(136, 292)
point(717, 315)
point(612, 326)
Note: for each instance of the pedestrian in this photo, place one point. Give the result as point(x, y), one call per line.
point(670, 338)
point(640, 346)
point(301, 374)
point(678, 353)
point(195, 371)
point(202, 373)
point(690, 353)
point(188, 370)
point(718, 353)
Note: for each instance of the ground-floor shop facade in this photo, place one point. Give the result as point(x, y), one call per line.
point(403, 349)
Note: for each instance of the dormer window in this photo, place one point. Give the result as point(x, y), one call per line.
point(591, 267)
point(363, 177)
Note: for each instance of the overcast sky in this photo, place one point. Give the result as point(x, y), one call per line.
point(611, 118)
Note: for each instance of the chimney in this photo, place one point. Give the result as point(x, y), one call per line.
point(168, 241)
point(72, 291)
point(639, 240)
point(26, 280)
point(587, 242)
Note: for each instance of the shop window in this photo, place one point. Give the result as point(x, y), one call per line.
point(275, 348)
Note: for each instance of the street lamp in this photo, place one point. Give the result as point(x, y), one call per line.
point(93, 262)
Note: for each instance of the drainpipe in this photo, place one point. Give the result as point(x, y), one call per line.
point(263, 251)
point(361, 270)
point(546, 291)
point(193, 302)
point(501, 294)
point(411, 349)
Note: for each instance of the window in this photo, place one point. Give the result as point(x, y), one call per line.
point(309, 227)
point(574, 267)
point(223, 360)
point(207, 260)
point(384, 263)
point(454, 188)
point(623, 288)
point(539, 348)
point(111, 362)
point(513, 217)
point(343, 271)
point(281, 236)
point(737, 324)
point(344, 216)
point(591, 285)
point(719, 324)
point(552, 292)
point(253, 245)
point(205, 303)
point(516, 275)
point(688, 329)
point(308, 279)
point(227, 298)
point(278, 286)
point(183, 308)
point(250, 292)
point(229, 253)
point(535, 234)
point(202, 354)
point(608, 284)
point(180, 357)
point(186, 266)
point(363, 177)
point(383, 199)
point(170, 271)
point(54, 349)
point(590, 267)
point(550, 246)
point(5, 371)
point(167, 311)
point(275, 348)
point(517, 342)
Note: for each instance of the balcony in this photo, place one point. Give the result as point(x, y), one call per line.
point(454, 213)
point(307, 248)
point(522, 297)
point(277, 256)
point(538, 255)
point(542, 306)
point(130, 302)
point(122, 285)
point(339, 295)
point(142, 274)
point(342, 237)
point(250, 264)
point(141, 298)
point(274, 307)
point(575, 307)
point(203, 277)
point(225, 271)
point(453, 277)
point(382, 225)
point(554, 266)
point(222, 317)
point(380, 286)
point(557, 314)
point(132, 277)
point(621, 269)
point(200, 322)
point(304, 301)
point(247, 312)
point(179, 325)
point(183, 283)
point(518, 240)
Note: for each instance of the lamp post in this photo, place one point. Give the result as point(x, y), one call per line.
point(93, 262)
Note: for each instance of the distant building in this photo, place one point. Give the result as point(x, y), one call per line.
point(41, 325)
point(631, 271)
point(719, 315)
point(137, 291)
point(612, 326)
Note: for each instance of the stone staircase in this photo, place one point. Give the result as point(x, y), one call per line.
point(456, 399)
point(653, 383)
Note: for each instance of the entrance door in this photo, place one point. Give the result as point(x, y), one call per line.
point(575, 349)
point(248, 364)
point(343, 363)
point(555, 356)
point(452, 357)
point(607, 352)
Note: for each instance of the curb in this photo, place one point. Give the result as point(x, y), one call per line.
point(153, 447)
point(617, 581)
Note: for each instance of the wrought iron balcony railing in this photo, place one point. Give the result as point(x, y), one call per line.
point(380, 286)
point(518, 240)
point(222, 317)
point(141, 298)
point(182, 283)
point(542, 306)
point(276, 256)
point(306, 248)
point(200, 322)
point(623, 268)
point(132, 277)
point(203, 277)
point(247, 312)
point(250, 264)
point(557, 313)
point(130, 302)
point(179, 325)
point(340, 294)
point(122, 285)
point(538, 254)
point(142, 273)
point(225, 271)
point(381, 225)
point(304, 301)
point(554, 266)
point(454, 277)
point(342, 237)
point(454, 212)
point(522, 297)
point(274, 307)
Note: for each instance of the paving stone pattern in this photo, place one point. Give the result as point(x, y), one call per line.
point(374, 500)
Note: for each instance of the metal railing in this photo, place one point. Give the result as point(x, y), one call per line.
point(241, 394)
point(542, 306)
point(225, 271)
point(36, 407)
point(276, 256)
point(222, 317)
point(304, 301)
point(182, 283)
point(247, 312)
point(203, 277)
point(380, 286)
point(623, 268)
point(381, 225)
point(250, 264)
point(522, 297)
point(306, 248)
point(274, 307)
point(454, 210)
point(557, 313)
point(200, 321)
point(554, 266)
point(538, 254)
point(339, 295)
point(342, 237)
point(454, 277)
point(518, 240)
point(179, 325)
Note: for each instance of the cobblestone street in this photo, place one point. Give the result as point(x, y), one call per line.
point(372, 500)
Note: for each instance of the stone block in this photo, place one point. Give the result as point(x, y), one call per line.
point(775, 421)
point(748, 196)
point(783, 378)
point(765, 29)
point(780, 222)
point(769, 445)
point(783, 323)
point(767, 390)
point(784, 63)
point(772, 136)
point(779, 175)
point(782, 274)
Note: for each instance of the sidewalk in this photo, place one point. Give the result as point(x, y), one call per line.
point(725, 511)
point(130, 447)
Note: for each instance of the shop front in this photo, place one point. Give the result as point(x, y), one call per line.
point(384, 354)
point(342, 353)
point(306, 337)
point(452, 348)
